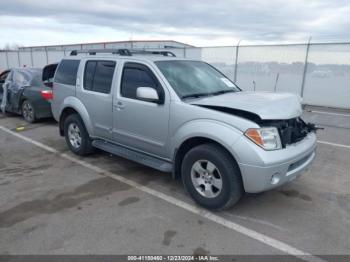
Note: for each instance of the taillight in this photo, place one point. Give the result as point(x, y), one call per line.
point(47, 94)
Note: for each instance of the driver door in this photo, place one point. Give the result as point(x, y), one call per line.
point(138, 124)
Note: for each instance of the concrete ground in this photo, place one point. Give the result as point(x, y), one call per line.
point(52, 205)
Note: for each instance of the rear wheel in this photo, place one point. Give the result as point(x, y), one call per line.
point(212, 177)
point(28, 111)
point(76, 135)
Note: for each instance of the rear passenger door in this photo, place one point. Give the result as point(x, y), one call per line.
point(95, 93)
point(140, 124)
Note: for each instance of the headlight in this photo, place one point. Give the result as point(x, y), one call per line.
point(266, 137)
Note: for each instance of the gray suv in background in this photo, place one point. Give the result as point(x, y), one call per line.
point(184, 117)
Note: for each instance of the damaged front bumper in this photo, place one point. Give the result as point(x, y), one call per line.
point(263, 170)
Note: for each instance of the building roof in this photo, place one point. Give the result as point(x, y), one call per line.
point(110, 42)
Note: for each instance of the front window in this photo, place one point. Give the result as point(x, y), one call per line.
point(191, 79)
point(138, 75)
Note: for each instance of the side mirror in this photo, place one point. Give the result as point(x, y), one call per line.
point(148, 94)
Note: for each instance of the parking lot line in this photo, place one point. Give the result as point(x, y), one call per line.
point(332, 144)
point(281, 246)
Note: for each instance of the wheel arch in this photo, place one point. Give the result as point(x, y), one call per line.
point(203, 131)
point(20, 102)
point(190, 143)
point(74, 106)
point(22, 96)
point(65, 113)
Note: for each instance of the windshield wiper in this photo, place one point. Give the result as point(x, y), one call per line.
point(196, 95)
point(222, 92)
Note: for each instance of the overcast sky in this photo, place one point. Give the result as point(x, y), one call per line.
point(201, 23)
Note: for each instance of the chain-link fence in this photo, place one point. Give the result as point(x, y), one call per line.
point(320, 73)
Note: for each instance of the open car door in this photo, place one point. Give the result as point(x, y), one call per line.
point(48, 74)
point(3, 77)
point(47, 78)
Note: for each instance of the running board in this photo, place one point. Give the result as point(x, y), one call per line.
point(138, 157)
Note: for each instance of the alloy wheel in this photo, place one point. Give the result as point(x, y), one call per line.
point(28, 111)
point(74, 135)
point(206, 178)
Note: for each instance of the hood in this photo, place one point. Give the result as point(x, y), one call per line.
point(266, 105)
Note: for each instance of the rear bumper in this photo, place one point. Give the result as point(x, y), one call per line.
point(43, 109)
point(264, 170)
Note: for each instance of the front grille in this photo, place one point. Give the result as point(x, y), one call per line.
point(291, 131)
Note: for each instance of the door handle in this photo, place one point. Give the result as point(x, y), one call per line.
point(119, 105)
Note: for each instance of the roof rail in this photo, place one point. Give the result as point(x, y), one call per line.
point(122, 52)
point(145, 52)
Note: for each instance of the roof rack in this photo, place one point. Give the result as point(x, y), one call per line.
point(122, 52)
point(144, 52)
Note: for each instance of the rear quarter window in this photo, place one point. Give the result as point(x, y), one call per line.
point(67, 72)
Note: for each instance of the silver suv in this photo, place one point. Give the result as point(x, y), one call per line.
point(185, 117)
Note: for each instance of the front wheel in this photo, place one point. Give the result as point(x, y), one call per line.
point(211, 177)
point(76, 135)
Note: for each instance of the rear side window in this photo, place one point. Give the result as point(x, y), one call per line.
point(137, 75)
point(98, 76)
point(67, 72)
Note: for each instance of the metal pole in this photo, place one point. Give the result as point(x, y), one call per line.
point(277, 77)
point(305, 68)
point(19, 59)
point(236, 63)
point(47, 56)
point(184, 52)
point(31, 56)
point(7, 60)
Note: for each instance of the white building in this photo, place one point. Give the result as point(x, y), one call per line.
point(39, 56)
point(137, 44)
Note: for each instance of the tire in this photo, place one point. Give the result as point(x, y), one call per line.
point(76, 135)
point(204, 169)
point(28, 111)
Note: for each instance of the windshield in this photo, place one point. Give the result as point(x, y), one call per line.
point(195, 78)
